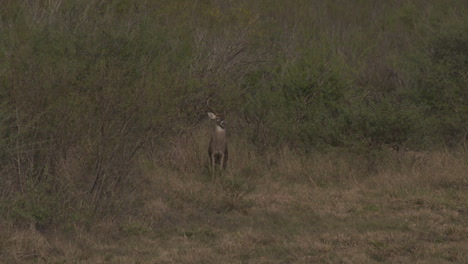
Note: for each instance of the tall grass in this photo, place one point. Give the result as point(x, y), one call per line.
point(325, 207)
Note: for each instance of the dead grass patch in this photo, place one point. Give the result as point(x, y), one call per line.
point(279, 213)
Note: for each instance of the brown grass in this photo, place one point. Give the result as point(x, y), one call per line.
point(276, 208)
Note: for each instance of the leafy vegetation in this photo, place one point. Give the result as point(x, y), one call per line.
point(100, 101)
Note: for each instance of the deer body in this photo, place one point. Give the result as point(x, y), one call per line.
point(218, 150)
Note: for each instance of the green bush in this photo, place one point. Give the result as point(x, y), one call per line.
point(89, 87)
point(442, 90)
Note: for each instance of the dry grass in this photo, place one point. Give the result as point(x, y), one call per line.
point(280, 208)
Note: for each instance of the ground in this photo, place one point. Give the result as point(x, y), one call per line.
point(321, 209)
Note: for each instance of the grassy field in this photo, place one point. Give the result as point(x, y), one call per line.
point(282, 207)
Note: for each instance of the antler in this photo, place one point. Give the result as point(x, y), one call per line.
point(208, 105)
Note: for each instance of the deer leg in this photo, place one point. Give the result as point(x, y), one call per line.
point(221, 161)
point(212, 162)
point(225, 161)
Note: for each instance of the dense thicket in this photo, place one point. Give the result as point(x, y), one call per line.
point(86, 85)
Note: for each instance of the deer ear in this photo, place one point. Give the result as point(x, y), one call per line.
point(211, 115)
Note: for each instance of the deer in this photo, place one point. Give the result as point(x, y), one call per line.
point(218, 149)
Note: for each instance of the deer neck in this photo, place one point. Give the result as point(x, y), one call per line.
point(219, 133)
